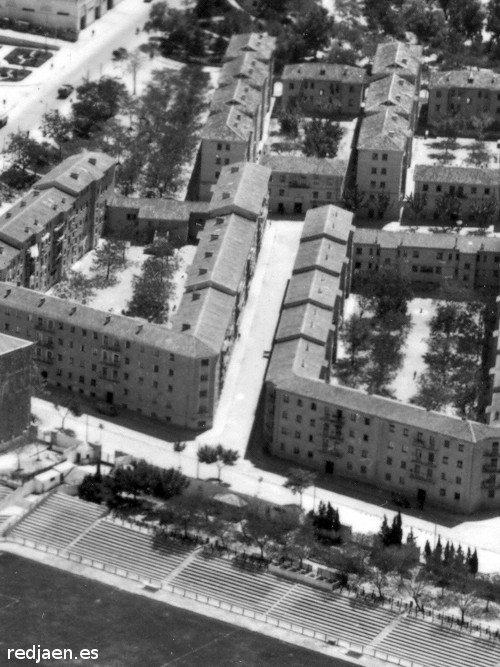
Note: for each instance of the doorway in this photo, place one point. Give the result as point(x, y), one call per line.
point(109, 397)
point(329, 467)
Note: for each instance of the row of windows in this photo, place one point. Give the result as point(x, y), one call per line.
point(457, 190)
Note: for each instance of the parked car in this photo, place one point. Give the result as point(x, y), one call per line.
point(65, 91)
point(107, 409)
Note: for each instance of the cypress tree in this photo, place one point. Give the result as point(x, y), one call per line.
point(385, 532)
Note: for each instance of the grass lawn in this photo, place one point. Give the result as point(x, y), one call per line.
point(42, 605)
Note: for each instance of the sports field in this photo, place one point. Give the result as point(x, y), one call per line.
point(40, 605)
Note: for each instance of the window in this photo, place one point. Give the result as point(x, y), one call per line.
point(298, 419)
point(297, 435)
point(458, 480)
point(349, 465)
point(389, 460)
point(405, 432)
point(312, 423)
point(457, 496)
point(382, 185)
point(350, 449)
point(364, 454)
point(374, 156)
point(365, 437)
point(445, 460)
point(403, 465)
point(374, 170)
point(425, 187)
point(460, 464)
point(205, 362)
point(363, 470)
point(313, 406)
point(461, 448)
point(299, 402)
point(384, 157)
point(286, 398)
point(388, 476)
point(367, 421)
point(442, 492)
point(284, 414)
point(373, 184)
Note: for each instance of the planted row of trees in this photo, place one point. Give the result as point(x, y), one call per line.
point(373, 339)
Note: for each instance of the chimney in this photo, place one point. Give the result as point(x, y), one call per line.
point(7, 293)
point(72, 311)
point(42, 301)
point(107, 320)
point(139, 328)
point(92, 161)
point(22, 203)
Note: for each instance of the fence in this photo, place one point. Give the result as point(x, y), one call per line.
point(214, 602)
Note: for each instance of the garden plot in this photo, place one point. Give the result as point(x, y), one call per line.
point(115, 297)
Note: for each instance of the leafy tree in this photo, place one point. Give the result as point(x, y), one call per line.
point(71, 406)
point(322, 138)
point(97, 101)
point(354, 200)
point(219, 455)
point(298, 480)
point(478, 155)
point(315, 28)
point(152, 288)
point(134, 63)
point(355, 336)
point(262, 527)
point(76, 287)
point(108, 256)
point(57, 127)
point(23, 150)
point(91, 489)
point(493, 20)
point(465, 17)
point(289, 122)
point(387, 291)
point(416, 203)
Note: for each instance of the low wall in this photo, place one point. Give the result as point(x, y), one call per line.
point(30, 43)
point(300, 578)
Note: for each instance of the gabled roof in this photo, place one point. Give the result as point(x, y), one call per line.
point(228, 124)
point(158, 208)
point(465, 78)
point(7, 254)
point(237, 92)
point(245, 67)
point(328, 221)
point(223, 249)
point(298, 164)
point(385, 130)
point(321, 253)
point(392, 91)
point(306, 321)
point(324, 71)
point(456, 175)
point(32, 214)
point(397, 57)
point(77, 172)
point(208, 313)
point(259, 43)
point(465, 244)
point(41, 305)
point(313, 286)
point(242, 189)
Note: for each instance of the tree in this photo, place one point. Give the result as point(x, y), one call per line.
point(354, 200)
point(416, 203)
point(179, 447)
point(465, 17)
point(484, 211)
point(493, 20)
point(298, 481)
point(108, 256)
point(355, 336)
point(262, 527)
point(23, 150)
point(133, 64)
point(219, 455)
point(71, 406)
point(97, 101)
point(315, 28)
point(152, 289)
point(76, 287)
point(387, 291)
point(91, 489)
point(322, 138)
point(57, 127)
point(289, 122)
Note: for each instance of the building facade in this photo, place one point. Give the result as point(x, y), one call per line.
point(65, 17)
point(15, 386)
point(234, 126)
point(314, 422)
point(298, 184)
point(172, 373)
point(465, 93)
point(57, 222)
point(469, 194)
point(324, 88)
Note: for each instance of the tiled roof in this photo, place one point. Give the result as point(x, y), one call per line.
point(466, 244)
point(384, 408)
point(391, 91)
point(320, 253)
point(399, 57)
point(32, 214)
point(245, 67)
point(208, 313)
point(324, 71)
point(261, 44)
point(157, 208)
point(456, 175)
point(296, 356)
point(385, 130)
point(238, 92)
point(465, 78)
point(314, 286)
point(305, 321)
point(222, 252)
point(241, 188)
point(291, 164)
point(230, 123)
point(125, 328)
point(329, 221)
point(77, 172)
point(10, 344)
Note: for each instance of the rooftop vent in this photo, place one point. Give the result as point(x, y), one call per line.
point(391, 133)
point(92, 160)
point(202, 271)
point(73, 310)
point(42, 301)
point(107, 320)
point(186, 327)
point(225, 195)
point(404, 61)
point(219, 221)
point(26, 230)
point(322, 71)
point(209, 254)
point(1, 249)
point(36, 193)
point(196, 296)
point(7, 293)
point(74, 175)
point(234, 169)
point(8, 214)
point(139, 328)
point(470, 79)
point(22, 203)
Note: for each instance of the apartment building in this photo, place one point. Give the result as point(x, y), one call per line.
point(65, 17)
point(465, 93)
point(468, 194)
point(171, 372)
point(395, 93)
point(314, 422)
point(298, 184)
point(430, 261)
point(139, 220)
point(15, 386)
point(399, 58)
point(57, 222)
point(324, 88)
point(383, 155)
point(235, 123)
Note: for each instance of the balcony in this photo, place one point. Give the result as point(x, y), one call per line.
point(423, 463)
point(48, 344)
point(490, 454)
point(108, 378)
point(111, 362)
point(114, 347)
point(299, 184)
point(490, 484)
point(423, 444)
point(488, 467)
point(421, 477)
